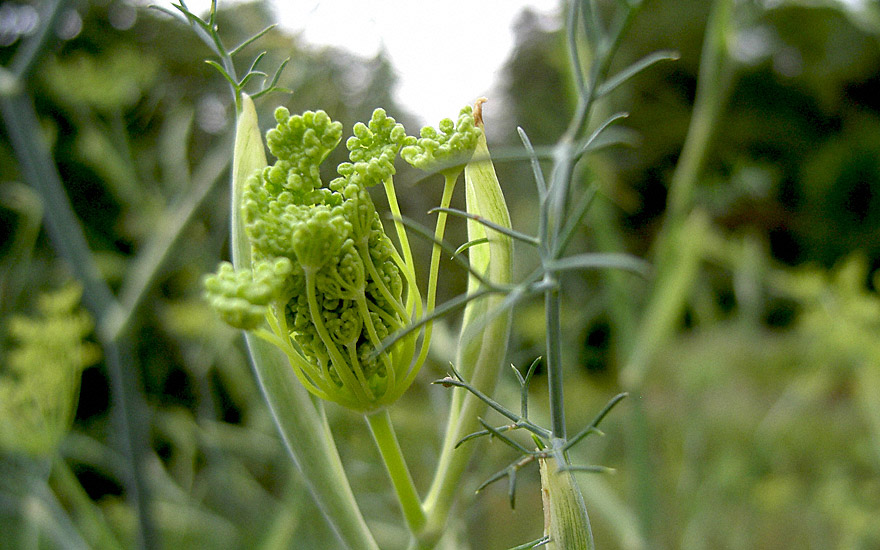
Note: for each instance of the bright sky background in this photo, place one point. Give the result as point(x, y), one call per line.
point(447, 53)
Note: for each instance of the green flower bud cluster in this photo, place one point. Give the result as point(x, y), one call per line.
point(372, 150)
point(447, 149)
point(325, 275)
point(241, 297)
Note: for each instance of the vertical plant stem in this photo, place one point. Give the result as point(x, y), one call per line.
point(130, 415)
point(713, 84)
point(569, 530)
point(395, 464)
point(552, 310)
point(406, 251)
point(439, 232)
point(565, 516)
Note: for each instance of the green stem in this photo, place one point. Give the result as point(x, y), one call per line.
point(565, 516)
point(439, 232)
point(552, 310)
point(414, 297)
point(395, 464)
point(307, 436)
point(713, 85)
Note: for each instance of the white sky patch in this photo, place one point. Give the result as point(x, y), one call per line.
point(446, 53)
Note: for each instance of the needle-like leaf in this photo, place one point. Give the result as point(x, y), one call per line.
point(595, 423)
point(251, 40)
point(602, 127)
point(613, 82)
point(533, 160)
point(543, 541)
point(469, 244)
point(524, 386)
point(490, 224)
point(601, 260)
point(496, 433)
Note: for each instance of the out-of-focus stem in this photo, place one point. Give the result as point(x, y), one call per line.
point(678, 249)
point(97, 529)
point(713, 85)
point(65, 231)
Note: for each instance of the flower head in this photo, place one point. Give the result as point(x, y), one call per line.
point(325, 275)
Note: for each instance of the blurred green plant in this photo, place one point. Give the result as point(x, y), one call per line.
point(39, 386)
point(105, 82)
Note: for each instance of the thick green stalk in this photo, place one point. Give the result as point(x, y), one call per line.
point(565, 515)
point(300, 421)
point(307, 436)
point(481, 353)
point(248, 156)
point(392, 456)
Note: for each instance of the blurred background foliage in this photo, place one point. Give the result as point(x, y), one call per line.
point(762, 410)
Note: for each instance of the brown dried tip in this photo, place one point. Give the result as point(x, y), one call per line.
point(478, 111)
point(446, 382)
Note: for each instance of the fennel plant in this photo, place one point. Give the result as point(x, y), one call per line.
point(333, 309)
